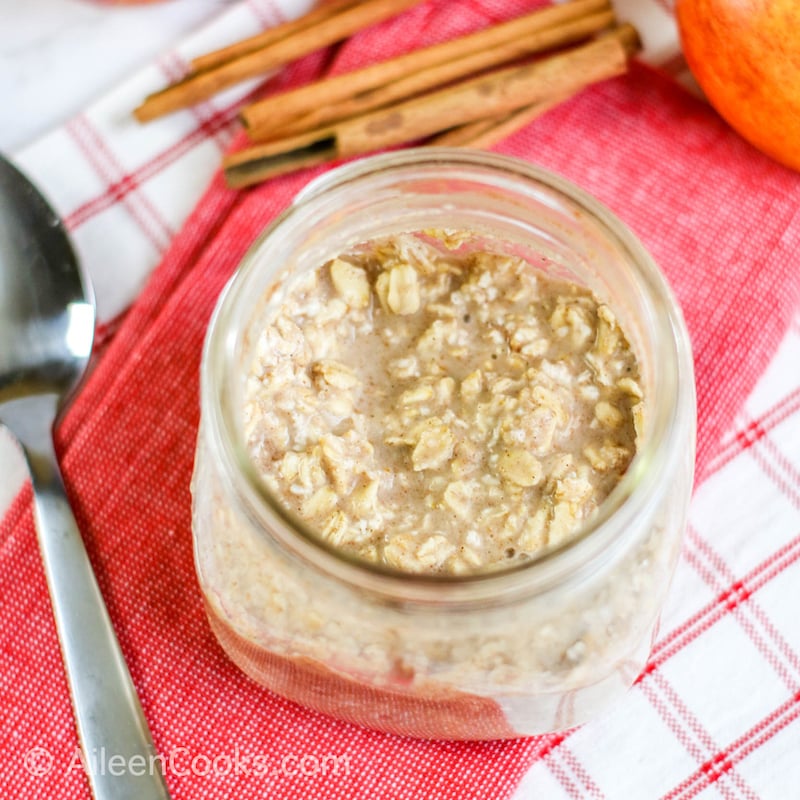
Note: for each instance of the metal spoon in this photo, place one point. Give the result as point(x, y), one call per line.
point(46, 331)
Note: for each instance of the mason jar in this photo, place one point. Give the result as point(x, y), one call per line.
point(539, 646)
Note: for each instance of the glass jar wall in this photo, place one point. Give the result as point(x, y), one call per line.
point(540, 646)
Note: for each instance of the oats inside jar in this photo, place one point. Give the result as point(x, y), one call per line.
point(438, 408)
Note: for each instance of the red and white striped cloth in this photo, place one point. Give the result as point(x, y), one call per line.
point(715, 714)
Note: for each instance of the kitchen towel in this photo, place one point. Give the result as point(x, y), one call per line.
point(719, 701)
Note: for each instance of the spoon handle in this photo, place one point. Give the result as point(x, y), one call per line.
point(109, 716)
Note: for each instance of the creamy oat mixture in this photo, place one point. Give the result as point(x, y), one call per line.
point(439, 409)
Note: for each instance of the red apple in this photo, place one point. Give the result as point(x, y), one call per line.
point(745, 54)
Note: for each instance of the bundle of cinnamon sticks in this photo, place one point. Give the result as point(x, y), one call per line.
point(471, 91)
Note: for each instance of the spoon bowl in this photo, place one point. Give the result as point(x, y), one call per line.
point(46, 304)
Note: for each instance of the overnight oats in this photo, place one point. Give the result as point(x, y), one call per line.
point(438, 410)
point(445, 452)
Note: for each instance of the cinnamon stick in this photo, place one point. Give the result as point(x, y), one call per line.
point(495, 94)
point(276, 111)
point(481, 58)
point(198, 86)
point(487, 132)
point(270, 36)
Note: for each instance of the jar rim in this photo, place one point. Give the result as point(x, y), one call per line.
point(596, 538)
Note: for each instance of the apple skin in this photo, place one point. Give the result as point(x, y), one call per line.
point(745, 54)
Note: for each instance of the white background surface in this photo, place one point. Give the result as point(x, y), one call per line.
point(56, 56)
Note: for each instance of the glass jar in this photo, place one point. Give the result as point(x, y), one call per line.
point(537, 647)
